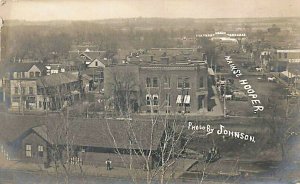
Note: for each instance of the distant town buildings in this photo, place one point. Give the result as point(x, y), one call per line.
point(159, 80)
point(222, 34)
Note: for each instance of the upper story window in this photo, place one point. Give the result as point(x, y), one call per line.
point(31, 74)
point(37, 74)
point(16, 90)
point(155, 82)
point(279, 55)
point(285, 55)
point(167, 82)
point(23, 90)
point(18, 75)
point(31, 90)
point(155, 99)
point(152, 83)
point(148, 99)
point(148, 82)
point(183, 82)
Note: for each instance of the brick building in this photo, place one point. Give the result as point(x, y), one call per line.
point(174, 88)
point(160, 88)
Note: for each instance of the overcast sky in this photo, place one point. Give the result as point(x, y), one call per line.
point(103, 9)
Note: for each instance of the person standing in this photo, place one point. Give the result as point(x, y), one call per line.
point(108, 164)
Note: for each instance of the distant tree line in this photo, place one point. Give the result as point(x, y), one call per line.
point(46, 42)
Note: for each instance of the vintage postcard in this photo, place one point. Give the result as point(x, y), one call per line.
point(140, 91)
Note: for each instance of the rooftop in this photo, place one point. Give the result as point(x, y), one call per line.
point(57, 79)
point(23, 67)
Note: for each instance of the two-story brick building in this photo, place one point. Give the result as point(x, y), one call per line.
point(174, 88)
point(159, 88)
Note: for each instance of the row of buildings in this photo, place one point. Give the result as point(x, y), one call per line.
point(172, 80)
point(284, 61)
point(161, 81)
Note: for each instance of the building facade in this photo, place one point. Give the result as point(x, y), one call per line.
point(158, 88)
point(174, 88)
point(22, 86)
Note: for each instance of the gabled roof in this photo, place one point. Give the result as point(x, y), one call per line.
point(56, 79)
point(101, 63)
point(105, 133)
point(24, 67)
point(92, 55)
point(13, 126)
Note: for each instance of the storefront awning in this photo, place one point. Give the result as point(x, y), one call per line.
point(210, 71)
point(187, 99)
point(288, 74)
point(179, 99)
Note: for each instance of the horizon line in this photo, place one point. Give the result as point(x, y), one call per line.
point(141, 17)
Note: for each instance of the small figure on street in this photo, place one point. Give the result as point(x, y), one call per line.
point(108, 164)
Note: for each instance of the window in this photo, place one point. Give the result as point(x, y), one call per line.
point(18, 75)
point(37, 74)
point(31, 90)
point(186, 82)
point(28, 150)
point(41, 151)
point(200, 101)
point(31, 99)
point(148, 82)
point(31, 74)
point(148, 99)
point(40, 104)
point(183, 82)
point(155, 99)
point(16, 99)
point(179, 82)
point(96, 63)
point(285, 55)
point(279, 55)
point(23, 74)
point(23, 90)
point(201, 82)
point(155, 82)
point(16, 90)
point(168, 99)
point(167, 82)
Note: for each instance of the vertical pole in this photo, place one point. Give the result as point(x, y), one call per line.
point(225, 99)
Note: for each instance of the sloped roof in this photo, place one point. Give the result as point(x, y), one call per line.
point(106, 133)
point(57, 79)
point(92, 55)
point(13, 126)
point(24, 67)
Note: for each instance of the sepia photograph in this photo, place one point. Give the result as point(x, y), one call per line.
point(149, 91)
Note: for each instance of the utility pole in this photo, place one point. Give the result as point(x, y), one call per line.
point(225, 99)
